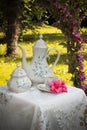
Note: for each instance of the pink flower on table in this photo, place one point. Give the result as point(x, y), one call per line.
point(58, 86)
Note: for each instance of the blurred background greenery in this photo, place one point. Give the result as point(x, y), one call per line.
point(53, 38)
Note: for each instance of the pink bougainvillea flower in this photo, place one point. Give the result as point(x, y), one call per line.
point(72, 24)
point(56, 23)
point(57, 5)
point(82, 75)
point(81, 67)
point(84, 86)
point(68, 15)
point(58, 86)
point(80, 57)
point(77, 36)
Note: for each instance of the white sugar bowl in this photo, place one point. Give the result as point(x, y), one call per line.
point(19, 82)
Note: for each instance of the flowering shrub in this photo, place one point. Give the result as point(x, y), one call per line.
point(68, 16)
point(58, 86)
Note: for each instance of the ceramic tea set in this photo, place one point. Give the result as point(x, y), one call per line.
point(34, 73)
point(19, 81)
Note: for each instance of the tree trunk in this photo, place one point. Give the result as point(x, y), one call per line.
point(12, 32)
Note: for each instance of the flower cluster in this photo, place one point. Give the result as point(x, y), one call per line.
point(76, 36)
point(58, 86)
point(81, 74)
point(80, 57)
point(69, 22)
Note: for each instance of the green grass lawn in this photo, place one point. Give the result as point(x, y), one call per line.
point(53, 38)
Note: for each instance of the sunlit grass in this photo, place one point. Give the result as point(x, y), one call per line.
point(45, 29)
point(53, 38)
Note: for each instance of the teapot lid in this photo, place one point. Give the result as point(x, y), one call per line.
point(18, 72)
point(40, 43)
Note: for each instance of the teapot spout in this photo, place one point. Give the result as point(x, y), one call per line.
point(24, 61)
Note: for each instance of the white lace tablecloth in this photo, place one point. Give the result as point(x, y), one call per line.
point(36, 110)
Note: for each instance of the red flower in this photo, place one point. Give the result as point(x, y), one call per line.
point(58, 86)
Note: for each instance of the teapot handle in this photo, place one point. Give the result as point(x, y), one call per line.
point(58, 56)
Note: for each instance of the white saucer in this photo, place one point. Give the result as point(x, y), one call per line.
point(44, 88)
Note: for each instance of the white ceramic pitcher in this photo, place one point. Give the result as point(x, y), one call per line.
point(39, 69)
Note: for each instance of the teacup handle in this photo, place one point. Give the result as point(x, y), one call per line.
point(58, 56)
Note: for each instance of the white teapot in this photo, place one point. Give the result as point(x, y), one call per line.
point(19, 82)
point(39, 69)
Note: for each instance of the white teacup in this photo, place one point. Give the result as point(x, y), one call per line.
point(48, 79)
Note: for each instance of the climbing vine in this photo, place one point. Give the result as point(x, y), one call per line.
point(68, 15)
